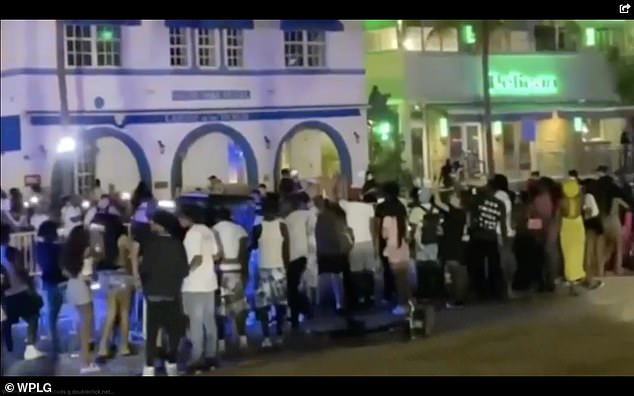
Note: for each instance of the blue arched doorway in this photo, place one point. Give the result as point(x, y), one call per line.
point(251, 163)
point(61, 167)
point(345, 161)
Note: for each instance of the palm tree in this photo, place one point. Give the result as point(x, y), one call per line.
point(482, 30)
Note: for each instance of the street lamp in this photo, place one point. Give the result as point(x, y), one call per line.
point(66, 145)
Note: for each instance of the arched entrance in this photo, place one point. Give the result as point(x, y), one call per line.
point(104, 153)
point(219, 150)
point(315, 149)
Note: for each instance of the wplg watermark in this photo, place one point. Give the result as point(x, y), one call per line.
point(30, 388)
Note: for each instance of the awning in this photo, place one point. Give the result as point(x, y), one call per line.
point(331, 25)
point(115, 22)
point(10, 133)
point(499, 112)
point(210, 23)
point(596, 111)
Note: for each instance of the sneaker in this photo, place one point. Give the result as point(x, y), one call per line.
point(171, 369)
point(222, 346)
point(31, 353)
point(399, 310)
point(244, 342)
point(595, 285)
point(266, 343)
point(148, 371)
point(93, 368)
point(211, 364)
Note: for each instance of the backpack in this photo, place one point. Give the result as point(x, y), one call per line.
point(430, 227)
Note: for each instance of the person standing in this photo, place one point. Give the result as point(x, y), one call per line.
point(297, 225)
point(143, 207)
point(71, 213)
point(233, 270)
point(162, 271)
point(273, 241)
point(500, 185)
point(199, 288)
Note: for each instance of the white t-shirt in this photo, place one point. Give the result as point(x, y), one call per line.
point(508, 207)
point(229, 234)
point(359, 216)
point(590, 204)
point(297, 225)
point(69, 213)
point(37, 220)
point(200, 241)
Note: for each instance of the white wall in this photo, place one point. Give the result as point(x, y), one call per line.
point(115, 164)
point(208, 156)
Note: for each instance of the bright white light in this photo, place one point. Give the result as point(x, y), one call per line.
point(66, 145)
point(294, 172)
point(408, 44)
point(34, 200)
point(166, 204)
point(125, 196)
point(85, 204)
point(95, 286)
point(26, 204)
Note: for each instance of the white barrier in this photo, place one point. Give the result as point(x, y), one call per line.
point(25, 242)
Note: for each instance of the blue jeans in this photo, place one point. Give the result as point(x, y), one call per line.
point(54, 294)
point(201, 309)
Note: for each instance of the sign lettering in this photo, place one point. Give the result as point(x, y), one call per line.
point(223, 94)
point(519, 84)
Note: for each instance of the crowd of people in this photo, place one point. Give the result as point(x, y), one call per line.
point(461, 243)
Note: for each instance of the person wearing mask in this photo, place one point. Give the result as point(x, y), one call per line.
point(273, 241)
point(233, 273)
point(500, 184)
point(199, 288)
point(71, 213)
point(297, 226)
point(119, 284)
point(363, 260)
point(370, 186)
point(394, 207)
point(48, 254)
point(573, 237)
point(76, 258)
point(20, 301)
point(162, 271)
point(485, 267)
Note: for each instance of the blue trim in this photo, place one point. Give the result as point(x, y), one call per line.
point(114, 22)
point(332, 25)
point(178, 72)
point(345, 161)
point(94, 134)
point(193, 136)
point(10, 134)
point(210, 23)
point(198, 110)
point(182, 117)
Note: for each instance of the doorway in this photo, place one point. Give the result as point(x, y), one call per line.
point(516, 151)
point(466, 145)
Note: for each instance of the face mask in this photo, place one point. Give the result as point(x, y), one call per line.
point(369, 177)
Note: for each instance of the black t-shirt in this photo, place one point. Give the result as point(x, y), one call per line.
point(487, 214)
point(453, 224)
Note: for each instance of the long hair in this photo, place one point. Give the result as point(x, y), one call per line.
point(141, 194)
point(73, 251)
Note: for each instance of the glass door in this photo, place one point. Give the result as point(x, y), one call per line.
point(466, 146)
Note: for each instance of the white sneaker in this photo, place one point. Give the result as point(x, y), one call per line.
point(31, 353)
point(266, 343)
point(148, 371)
point(244, 342)
point(171, 369)
point(91, 368)
point(222, 346)
point(399, 310)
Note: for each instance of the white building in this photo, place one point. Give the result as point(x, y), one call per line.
point(175, 101)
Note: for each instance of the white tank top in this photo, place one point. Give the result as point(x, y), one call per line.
point(270, 244)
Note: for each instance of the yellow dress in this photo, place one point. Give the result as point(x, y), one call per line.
point(572, 235)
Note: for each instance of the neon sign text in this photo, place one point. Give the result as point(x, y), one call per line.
point(519, 84)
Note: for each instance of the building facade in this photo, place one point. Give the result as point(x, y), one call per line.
point(552, 87)
point(175, 101)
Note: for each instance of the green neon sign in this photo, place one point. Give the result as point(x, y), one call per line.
point(520, 84)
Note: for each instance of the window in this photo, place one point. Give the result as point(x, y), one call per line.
point(605, 38)
point(234, 48)
point(554, 38)
point(92, 45)
point(304, 48)
point(179, 46)
point(446, 41)
point(381, 39)
point(207, 48)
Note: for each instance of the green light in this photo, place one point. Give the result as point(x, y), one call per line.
point(384, 129)
point(519, 84)
point(591, 37)
point(468, 34)
point(106, 35)
point(444, 128)
point(497, 128)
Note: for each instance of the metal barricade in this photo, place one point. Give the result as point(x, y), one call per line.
point(25, 242)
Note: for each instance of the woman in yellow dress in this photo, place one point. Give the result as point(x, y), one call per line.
point(572, 236)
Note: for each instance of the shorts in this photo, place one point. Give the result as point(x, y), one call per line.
point(78, 291)
point(271, 287)
point(363, 257)
point(233, 300)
